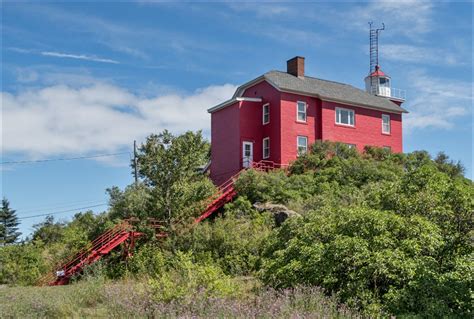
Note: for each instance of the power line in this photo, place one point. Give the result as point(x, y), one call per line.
point(63, 211)
point(63, 159)
point(58, 206)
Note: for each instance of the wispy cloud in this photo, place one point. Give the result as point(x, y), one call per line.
point(437, 102)
point(63, 55)
point(417, 54)
point(123, 38)
point(261, 9)
point(19, 50)
point(98, 117)
point(78, 57)
point(408, 18)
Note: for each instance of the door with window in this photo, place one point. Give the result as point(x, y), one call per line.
point(247, 154)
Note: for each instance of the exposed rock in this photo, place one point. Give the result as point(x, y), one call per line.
point(280, 212)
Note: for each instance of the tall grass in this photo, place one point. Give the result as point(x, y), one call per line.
point(134, 299)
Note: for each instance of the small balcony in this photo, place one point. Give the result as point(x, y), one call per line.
point(389, 92)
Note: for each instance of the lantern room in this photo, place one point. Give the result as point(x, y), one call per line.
point(378, 83)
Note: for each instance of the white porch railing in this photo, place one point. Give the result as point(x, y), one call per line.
point(389, 92)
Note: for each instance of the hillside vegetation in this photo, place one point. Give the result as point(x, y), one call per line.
point(373, 235)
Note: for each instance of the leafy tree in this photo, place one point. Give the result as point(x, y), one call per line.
point(169, 166)
point(133, 201)
point(9, 231)
point(448, 166)
point(48, 231)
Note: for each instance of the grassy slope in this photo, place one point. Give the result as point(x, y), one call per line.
point(132, 299)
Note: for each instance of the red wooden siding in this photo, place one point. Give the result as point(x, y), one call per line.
point(272, 130)
point(225, 140)
point(243, 121)
point(367, 129)
point(291, 128)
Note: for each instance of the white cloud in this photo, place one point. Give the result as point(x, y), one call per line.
point(261, 9)
point(416, 54)
point(18, 50)
point(408, 18)
point(436, 102)
point(78, 56)
point(26, 75)
point(61, 120)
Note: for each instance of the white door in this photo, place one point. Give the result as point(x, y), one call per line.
point(247, 154)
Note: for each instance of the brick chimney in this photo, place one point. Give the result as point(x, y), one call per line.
point(295, 66)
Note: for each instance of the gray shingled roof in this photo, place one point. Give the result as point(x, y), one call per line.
point(324, 89)
point(330, 90)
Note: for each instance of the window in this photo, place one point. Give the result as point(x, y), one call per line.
point(266, 147)
point(387, 148)
point(385, 124)
point(345, 116)
point(266, 113)
point(351, 146)
point(302, 142)
point(301, 111)
point(384, 82)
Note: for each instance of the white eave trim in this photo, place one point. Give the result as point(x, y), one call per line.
point(232, 101)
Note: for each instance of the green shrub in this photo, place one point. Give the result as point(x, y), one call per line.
point(234, 242)
point(372, 259)
point(185, 278)
point(149, 260)
point(22, 264)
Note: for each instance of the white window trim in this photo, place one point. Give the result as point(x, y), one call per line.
point(263, 148)
point(344, 109)
point(389, 124)
point(263, 113)
point(305, 112)
point(298, 145)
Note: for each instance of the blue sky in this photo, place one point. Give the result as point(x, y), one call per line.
point(81, 79)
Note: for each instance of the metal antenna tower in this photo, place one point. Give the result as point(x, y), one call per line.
point(374, 47)
point(374, 56)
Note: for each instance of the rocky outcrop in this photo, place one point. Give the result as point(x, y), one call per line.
point(280, 212)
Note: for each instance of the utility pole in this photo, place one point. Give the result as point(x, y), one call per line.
point(135, 163)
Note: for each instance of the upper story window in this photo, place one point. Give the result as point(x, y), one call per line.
point(266, 147)
point(302, 142)
point(385, 123)
point(345, 116)
point(301, 111)
point(266, 113)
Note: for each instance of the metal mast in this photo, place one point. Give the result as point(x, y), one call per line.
point(374, 51)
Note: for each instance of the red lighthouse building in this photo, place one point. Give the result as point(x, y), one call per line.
point(279, 115)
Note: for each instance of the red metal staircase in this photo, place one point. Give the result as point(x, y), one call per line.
point(226, 191)
point(101, 246)
point(124, 233)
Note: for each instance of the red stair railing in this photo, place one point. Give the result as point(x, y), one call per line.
point(226, 191)
point(100, 246)
point(117, 235)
